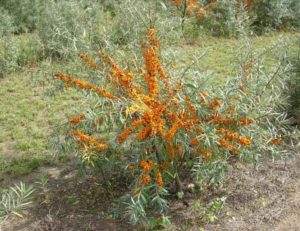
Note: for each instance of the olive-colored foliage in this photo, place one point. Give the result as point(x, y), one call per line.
point(19, 51)
point(161, 127)
point(6, 23)
point(239, 17)
point(25, 13)
point(231, 19)
point(295, 90)
point(276, 14)
point(65, 26)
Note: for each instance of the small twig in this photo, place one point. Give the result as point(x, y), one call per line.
point(270, 80)
point(156, 150)
point(183, 16)
point(193, 63)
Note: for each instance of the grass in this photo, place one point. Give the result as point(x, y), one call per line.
point(28, 114)
point(222, 57)
point(31, 105)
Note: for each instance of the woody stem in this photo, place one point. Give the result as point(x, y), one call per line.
point(183, 15)
point(178, 183)
point(156, 150)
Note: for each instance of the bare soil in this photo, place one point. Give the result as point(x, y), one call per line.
point(71, 201)
point(263, 199)
point(266, 198)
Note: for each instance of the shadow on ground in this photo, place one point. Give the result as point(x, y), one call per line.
point(69, 202)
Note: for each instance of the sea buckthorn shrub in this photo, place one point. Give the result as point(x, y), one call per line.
point(120, 32)
point(113, 27)
point(295, 7)
point(164, 132)
point(8, 56)
point(220, 18)
point(231, 19)
point(19, 51)
point(294, 90)
point(65, 26)
point(194, 9)
point(6, 23)
point(276, 14)
point(25, 14)
point(236, 17)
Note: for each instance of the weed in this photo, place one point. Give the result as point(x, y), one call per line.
point(15, 200)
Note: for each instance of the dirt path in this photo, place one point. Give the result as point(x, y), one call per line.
point(292, 219)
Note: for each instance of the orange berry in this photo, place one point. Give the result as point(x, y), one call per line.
point(145, 179)
point(276, 141)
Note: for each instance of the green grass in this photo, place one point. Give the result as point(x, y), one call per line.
point(31, 106)
point(222, 57)
point(28, 114)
